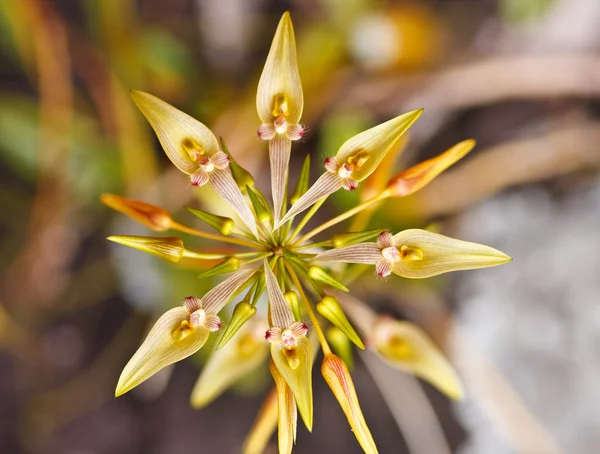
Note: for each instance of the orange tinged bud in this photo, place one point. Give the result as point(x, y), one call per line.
point(338, 378)
point(418, 176)
point(151, 216)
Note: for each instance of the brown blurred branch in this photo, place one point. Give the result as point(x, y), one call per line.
point(563, 151)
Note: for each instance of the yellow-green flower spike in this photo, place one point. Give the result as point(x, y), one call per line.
point(330, 309)
point(320, 275)
point(242, 312)
point(167, 248)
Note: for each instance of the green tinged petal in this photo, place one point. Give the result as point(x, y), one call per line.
point(366, 150)
point(171, 339)
point(246, 351)
point(178, 133)
point(407, 347)
point(425, 254)
point(298, 378)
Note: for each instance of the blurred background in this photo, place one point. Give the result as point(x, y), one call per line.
point(522, 77)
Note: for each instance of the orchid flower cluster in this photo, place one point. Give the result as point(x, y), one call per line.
point(308, 302)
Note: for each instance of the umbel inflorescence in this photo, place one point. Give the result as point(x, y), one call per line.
point(308, 302)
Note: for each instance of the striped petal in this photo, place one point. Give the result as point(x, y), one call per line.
point(365, 253)
point(281, 315)
point(280, 78)
point(418, 176)
point(406, 347)
point(366, 150)
point(178, 133)
point(326, 185)
point(219, 296)
point(338, 378)
point(425, 254)
point(222, 181)
point(171, 339)
point(279, 155)
point(167, 248)
point(287, 414)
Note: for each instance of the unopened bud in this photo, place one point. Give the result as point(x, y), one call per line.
point(151, 216)
point(320, 275)
point(167, 248)
point(221, 224)
point(303, 180)
point(330, 308)
point(228, 265)
point(291, 298)
point(242, 312)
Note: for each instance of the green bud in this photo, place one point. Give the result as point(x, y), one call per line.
point(320, 275)
point(221, 224)
point(263, 213)
point(226, 266)
point(167, 248)
point(241, 176)
point(292, 299)
point(302, 185)
point(330, 308)
point(242, 312)
point(340, 344)
point(346, 239)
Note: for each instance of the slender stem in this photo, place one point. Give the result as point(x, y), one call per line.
point(310, 245)
point(196, 255)
point(309, 309)
point(341, 217)
point(257, 258)
point(307, 217)
point(214, 236)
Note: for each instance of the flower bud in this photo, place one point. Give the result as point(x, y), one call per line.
point(320, 275)
point(411, 180)
point(167, 248)
point(229, 265)
point(338, 378)
point(330, 308)
point(346, 239)
point(221, 224)
point(151, 216)
point(242, 312)
point(303, 181)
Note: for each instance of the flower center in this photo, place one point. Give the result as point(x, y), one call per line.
point(391, 254)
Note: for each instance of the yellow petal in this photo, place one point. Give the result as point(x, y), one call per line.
point(338, 378)
point(167, 248)
point(280, 80)
point(151, 216)
point(418, 176)
point(246, 351)
point(406, 347)
point(366, 150)
point(299, 379)
point(178, 133)
point(264, 425)
point(287, 415)
point(171, 339)
point(425, 254)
